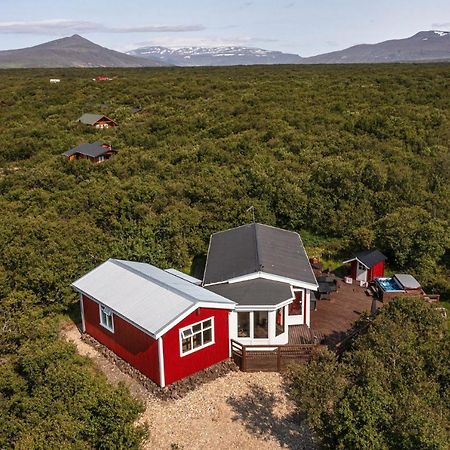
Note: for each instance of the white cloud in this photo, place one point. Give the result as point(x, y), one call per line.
point(59, 26)
point(441, 25)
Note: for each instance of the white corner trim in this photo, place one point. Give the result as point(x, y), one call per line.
point(162, 377)
point(83, 323)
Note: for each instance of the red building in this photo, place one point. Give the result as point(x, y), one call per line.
point(367, 265)
point(162, 324)
point(97, 120)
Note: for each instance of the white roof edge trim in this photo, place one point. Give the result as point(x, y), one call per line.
point(162, 331)
point(170, 324)
point(242, 308)
point(268, 276)
point(114, 311)
point(355, 259)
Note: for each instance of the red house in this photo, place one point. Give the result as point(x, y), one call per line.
point(161, 323)
point(367, 265)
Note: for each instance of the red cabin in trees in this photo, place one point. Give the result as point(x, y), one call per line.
point(159, 322)
point(367, 265)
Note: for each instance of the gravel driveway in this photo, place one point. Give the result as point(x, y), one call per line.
point(239, 410)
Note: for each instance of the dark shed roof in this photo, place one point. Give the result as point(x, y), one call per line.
point(369, 257)
point(93, 149)
point(257, 248)
point(254, 292)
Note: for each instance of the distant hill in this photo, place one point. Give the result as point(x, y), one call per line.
point(215, 56)
point(423, 46)
point(74, 51)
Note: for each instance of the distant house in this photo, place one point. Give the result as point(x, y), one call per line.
point(95, 152)
point(366, 265)
point(162, 324)
point(97, 121)
point(102, 78)
point(264, 270)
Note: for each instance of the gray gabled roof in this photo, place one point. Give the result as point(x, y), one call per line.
point(184, 276)
point(257, 292)
point(92, 119)
point(368, 257)
point(146, 296)
point(256, 248)
point(93, 150)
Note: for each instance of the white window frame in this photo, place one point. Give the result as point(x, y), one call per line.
point(192, 333)
point(302, 302)
point(104, 310)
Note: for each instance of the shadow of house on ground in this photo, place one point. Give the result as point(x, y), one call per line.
point(258, 412)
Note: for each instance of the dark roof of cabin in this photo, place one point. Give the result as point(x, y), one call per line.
point(254, 292)
point(93, 150)
point(257, 248)
point(370, 257)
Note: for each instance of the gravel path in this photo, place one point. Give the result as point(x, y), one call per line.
point(240, 410)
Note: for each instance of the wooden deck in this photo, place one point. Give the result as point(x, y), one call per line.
point(270, 358)
point(330, 324)
point(301, 334)
point(333, 318)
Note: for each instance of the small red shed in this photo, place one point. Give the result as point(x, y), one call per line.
point(367, 265)
point(162, 324)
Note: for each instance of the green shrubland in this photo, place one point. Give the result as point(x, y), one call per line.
point(352, 157)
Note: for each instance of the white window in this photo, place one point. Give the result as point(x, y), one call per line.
point(196, 336)
point(106, 318)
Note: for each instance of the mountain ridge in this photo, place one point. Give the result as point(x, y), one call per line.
point(72, 51)
point(77, 51)
point(424, 46)
point(215, 56)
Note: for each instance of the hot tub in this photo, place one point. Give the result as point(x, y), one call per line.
point(389, 285)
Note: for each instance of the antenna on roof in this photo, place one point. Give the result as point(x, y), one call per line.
point(252, 209)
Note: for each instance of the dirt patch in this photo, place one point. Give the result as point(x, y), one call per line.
point(237, 410)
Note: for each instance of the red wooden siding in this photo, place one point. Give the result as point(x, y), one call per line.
point(376, 271)
point(354, 269)
point(128, 342)
point(176, 366)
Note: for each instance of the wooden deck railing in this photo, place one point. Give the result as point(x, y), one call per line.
point(270, 358)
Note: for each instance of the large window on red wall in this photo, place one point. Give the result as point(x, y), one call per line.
point(196, 336)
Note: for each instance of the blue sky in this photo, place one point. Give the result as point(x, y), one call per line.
point(305, 27)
